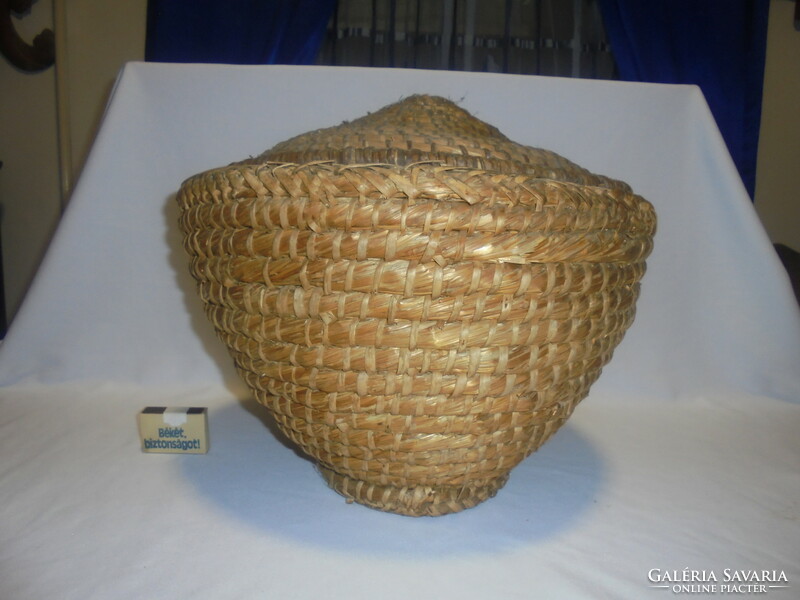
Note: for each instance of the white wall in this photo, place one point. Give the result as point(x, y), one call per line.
point(777, 191)
point(100, 36)
point(29, 186)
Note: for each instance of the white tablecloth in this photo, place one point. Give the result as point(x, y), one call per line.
point(685, 455)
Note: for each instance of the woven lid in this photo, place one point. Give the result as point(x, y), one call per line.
point(428, 128)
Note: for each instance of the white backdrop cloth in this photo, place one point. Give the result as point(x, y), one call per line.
point(685, 454)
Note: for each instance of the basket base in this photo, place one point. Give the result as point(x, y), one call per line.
point(419, 501)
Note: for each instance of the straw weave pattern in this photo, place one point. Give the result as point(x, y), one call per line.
point(419, 301)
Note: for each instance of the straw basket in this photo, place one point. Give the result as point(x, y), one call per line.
point(418, 300)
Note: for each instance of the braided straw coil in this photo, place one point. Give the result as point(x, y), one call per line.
point(418, 300)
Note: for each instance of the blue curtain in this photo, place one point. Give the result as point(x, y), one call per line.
point(236, 31)
point(719, 45)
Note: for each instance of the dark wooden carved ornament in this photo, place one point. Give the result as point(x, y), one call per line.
point(27, 57)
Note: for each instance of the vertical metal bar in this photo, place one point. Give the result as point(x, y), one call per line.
point(507, 36)
point(335, 40)
point(392, 30)
point(416, 35)
point(577, 37)
point(595, 45)
point(469, 33)
point(373, 34)
point(538, 37)
point(451, 55)
point(448, 8)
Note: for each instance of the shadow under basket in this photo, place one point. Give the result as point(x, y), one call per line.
point(419, 301)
